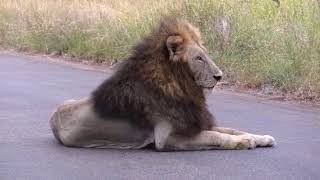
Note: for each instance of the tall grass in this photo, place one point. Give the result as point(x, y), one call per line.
point(267, 44)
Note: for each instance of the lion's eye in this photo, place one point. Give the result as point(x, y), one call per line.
point(199, 58)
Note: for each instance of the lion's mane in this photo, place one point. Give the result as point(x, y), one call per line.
point(149, 87)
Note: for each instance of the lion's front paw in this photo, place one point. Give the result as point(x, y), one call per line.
point(246, 142)
point(269, 140)
point(264, 140)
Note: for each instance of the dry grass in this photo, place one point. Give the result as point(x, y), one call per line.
point(265, 45)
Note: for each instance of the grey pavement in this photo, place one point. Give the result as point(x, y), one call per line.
point(31, 88)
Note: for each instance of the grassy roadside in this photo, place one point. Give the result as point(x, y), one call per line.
point(259, 44)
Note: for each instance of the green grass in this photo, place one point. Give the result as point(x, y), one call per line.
point(278, 46)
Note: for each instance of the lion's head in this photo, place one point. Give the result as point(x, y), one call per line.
point(172, 56)
point(206, 73)
point(184, 44)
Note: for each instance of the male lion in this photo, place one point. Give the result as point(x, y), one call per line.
point(156, 96)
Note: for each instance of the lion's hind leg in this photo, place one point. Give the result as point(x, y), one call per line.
point(75, 124)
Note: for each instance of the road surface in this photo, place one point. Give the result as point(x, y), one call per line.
point(31, 88)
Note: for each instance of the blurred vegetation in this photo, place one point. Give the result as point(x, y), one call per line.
point(257, 43)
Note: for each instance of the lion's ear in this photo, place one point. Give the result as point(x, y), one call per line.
point(174, 45)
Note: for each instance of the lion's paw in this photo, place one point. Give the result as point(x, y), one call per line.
point(246, 142)
point(264, 140)
point(269, 140)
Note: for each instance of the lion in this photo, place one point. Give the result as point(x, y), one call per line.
point(157, 96)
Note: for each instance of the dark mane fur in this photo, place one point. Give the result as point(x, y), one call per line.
point(149, 87)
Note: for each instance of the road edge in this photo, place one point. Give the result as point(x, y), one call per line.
point(88, 65)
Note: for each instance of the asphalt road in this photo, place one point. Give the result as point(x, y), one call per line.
point(31, 88)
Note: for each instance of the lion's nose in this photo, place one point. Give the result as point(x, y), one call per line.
point(217, 77)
